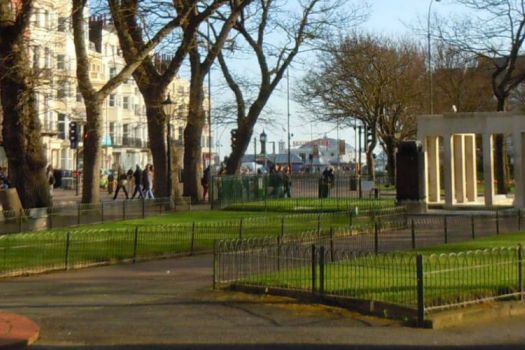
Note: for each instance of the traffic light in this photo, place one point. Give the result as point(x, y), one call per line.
point(73, 134)
point(233, 133)
point(369, 135)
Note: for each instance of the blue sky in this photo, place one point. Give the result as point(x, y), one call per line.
point(388, 17)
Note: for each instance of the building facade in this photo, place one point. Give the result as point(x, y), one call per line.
point(59, 102)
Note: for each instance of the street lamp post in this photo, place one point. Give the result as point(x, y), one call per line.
point(168, 106)
point(430, 84)
point(262, 138)
point(288, 117)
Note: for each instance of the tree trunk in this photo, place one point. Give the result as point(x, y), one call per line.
point(92, 153)
point(157, 142)
point(21, 126)
point(244, 137)
point(192, 139)
point(500, 173)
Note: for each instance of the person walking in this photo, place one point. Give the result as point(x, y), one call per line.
point(147, 181)
point(287, 183)
point(122, 180)
point(137, 175)
point(205, 182)
point(50, 179)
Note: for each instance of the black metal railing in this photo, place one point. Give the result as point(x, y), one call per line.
point(380, 262)
point(297, 192)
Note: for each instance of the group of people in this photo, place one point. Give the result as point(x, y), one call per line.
point(280, 182)
point(140, 182)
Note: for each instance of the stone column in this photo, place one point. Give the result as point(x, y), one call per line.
point(488, 169)
point(433, 168)
point(459, 167)
point(448, 168)
point(518, 143)
point(470, 167)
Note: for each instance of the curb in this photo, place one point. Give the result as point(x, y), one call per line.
point(16, 331)
point(474, 314)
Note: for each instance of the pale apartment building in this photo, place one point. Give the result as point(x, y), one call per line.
point(125, 133)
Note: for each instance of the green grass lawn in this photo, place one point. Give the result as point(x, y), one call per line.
point(453, 273)
point(182, 232)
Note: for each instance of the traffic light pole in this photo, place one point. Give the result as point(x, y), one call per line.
point(77, 175)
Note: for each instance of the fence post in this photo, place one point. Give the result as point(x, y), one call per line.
point(278, 253)
point(420, 291)
point(497, 221)
point(331, 244)
point(318, 224)
point(350, 214)
point(472, 226)
point(321, 270)
point(143, 207)
point(376, 238)
point(215, 264)
point(124, 210)
point(282, 226)
point(519, 220)
point(520, 271)
point(240, 229)
point(192, 238)
point(78, 214)
point(135, 243)
point(66, 258)
point(413, 234)
point(445, 229)
point(102, 211)
point(20, 213)
point(314, 268)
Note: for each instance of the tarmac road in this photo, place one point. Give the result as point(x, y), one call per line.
point(168, 304)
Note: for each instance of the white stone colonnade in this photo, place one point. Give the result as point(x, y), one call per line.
point(456, 134)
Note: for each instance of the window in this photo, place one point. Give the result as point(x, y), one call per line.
point(125, 102)
point(180, 90)
point(112, 72)
point(36, 57)
point(62, 24)
point(112, 100)
point(61, 62)
point(38, 20)
point(61, 126)
point(46, 19)
point(181, 134)
point(79, 95)
point(47, 58)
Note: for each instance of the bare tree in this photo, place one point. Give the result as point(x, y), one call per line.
point(374, 80)
point(93, 99)
point(200, 66)
point(21, 125)
point(275, 35)
point(493, 32)
point(153, 79)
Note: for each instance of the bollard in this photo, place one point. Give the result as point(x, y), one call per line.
point(314, 269)
point(420, 291)
point(321, 270)
point(472, 227)
point(66, 258)
point(520, 271)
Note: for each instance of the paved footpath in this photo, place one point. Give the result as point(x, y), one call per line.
point(168, 304)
